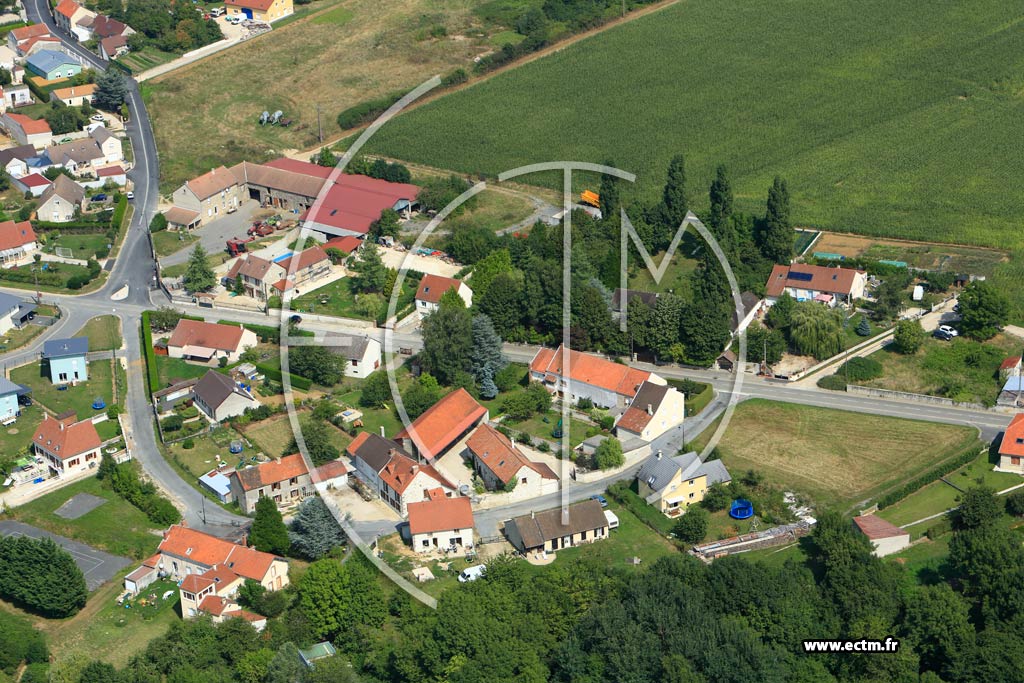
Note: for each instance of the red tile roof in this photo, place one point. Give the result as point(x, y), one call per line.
point(831, 280)
point(31, 31)
point(213, 604)
point(877, 528)
point(347, 244)
point(1009, 363)
point(66, 438)
point(210, 335)
point(1013, 437)
point(433, 287)
point(331, 470)
point(592, 370)
point(203, 549)
point(30, 126)
point(258, 5)
point(209, 184)
point(13, 235)
point(401, 470)
point(67, 8)
point(353, 202)
point(636, 417)
point(272, 472)
point(194, 583)
point(443, 514)
point(307, 258)
point(109, 171)
point(495, 450)
point(304, 167)
point(444, 422)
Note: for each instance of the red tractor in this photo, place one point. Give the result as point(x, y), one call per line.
point(236, 246)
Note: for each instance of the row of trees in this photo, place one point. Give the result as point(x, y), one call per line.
point(169, 26)
point(312, 534)
point(124, 480)
point(40, 576)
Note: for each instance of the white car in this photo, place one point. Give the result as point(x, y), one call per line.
point(130, 195)
point(97, 117)
point(946, 329)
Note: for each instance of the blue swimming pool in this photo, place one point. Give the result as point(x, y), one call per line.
point(283, 257)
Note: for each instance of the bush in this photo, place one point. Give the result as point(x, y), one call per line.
point(113, 411)
point(943, 526)
point(1015, 503)
point(584, 404)
point(78, 281)
point(832, 382)
point(715, 498)
point(364, 112)
point(908, 336)
point(692, 527)
point(171, 423)
point(188, 444)
point(606, 422)
point(456, 77)
point(860, 369)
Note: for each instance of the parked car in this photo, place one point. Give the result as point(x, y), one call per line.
point(940, 334)
point(97, 117)
point(600, 499)
point(101, 197)
point(472, 573)
point(295, 320)
point(130, 195)
point(951, 331)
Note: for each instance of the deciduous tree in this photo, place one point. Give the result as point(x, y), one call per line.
point(908, 336)
point(983, 310)
point(816, 330)
point(448, 339)
point(673, 196)
point(692, 527)
point(776, 235)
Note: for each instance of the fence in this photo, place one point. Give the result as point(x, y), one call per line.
point(890, 394)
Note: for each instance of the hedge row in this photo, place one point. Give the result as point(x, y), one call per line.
point(623, 492)
point(152, 377)
point(118, 217)
point(364, 112)
point(267, 333)
point(928, 477)
point(75, 227)
point(273, 373)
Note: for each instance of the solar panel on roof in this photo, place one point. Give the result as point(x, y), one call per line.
point(801, 277)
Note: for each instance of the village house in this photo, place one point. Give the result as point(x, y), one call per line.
point(1010, 367)
point(26, 131)
point(258, 275)
point(286, 480)
point(75, 95)
point(67, 359)
point(113, 47)
point(67, 445)
point(103, 26)
point(280, 186)
point(18, 242)
point(211, 195)
point(654, 410)
point(11, 311)
point(540, 532)
point(503, 467)
point(606, 384)
point(392, 474)
point(308, 265)
point(203, 342)
point(885, 537)
point(219, 397)
point(51, 65)
point(361, 354)
point(433, 287)
point(33, 183)
point(10, 409)
point(68, 13)
point(829, 285)
point(259, 10)
point(15, 95)
point(442, 425)
point(61, 202)
point(1011, 446)
point(441, 523)
point(15, 160)
point(21, 40)
point(673, 484)
point(112, 174)
point(210, 570)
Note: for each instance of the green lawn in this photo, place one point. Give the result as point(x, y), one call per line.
point(16, 438)
point(166, 242)
point(116, 526)
point(81, 246)
point(337, 299)
point(538, 428)
point(859, 106)
point(16, 338)
point(833, 456)
point(675, 281)
point(104, 333)
point(174, 369)
point(202, 457)
point(78, 398)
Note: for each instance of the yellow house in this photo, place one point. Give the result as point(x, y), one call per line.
point(673, 484)
point(259, 10)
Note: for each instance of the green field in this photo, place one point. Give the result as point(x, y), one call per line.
point(888, 119)
point(833, 456)
point(167, 242)
point(103, 331)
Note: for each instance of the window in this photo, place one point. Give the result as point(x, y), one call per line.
point(1014, 460)
point(426, 543)
point(691, 495)
point(293, 481)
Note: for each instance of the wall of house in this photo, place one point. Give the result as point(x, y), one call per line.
point(365, 365)
point(690, 490)
point(439, 540)
point(669, 414)
point(1011, 463)
point(70, 369)
point(232, 406)
point(8, 406)
point(888, 546)
point(73, 465)
point(284, 493)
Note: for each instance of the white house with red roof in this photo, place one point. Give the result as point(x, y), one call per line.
point(204, 342)
point(885, 537)
point(441, 523)
point(606, 383)
point(18, 242)
point(829, 285)
point(259, 10)
point(504, 467)
point(1011, 447)
point(433, 287)
point(33, 183)
point(654, 410)
point(398, 479)
point(26, 131)
point(23, 40)
point(286, 480)
point(67, 445)
point(442, 425)
point(210, 570)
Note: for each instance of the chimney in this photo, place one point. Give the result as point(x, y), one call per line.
point(658, 456)
point(650, 409)
point(415, 470)
point(382, 431)
point(61, 423)
point(533, 515)
point(513, 440)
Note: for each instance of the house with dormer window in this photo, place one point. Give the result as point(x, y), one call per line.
point(67, 445)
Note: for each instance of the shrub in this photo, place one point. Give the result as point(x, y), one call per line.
point(78, 281)
point(715, 498)
point(832, 382)
point(188, 444)
point(943, 526)
point(606, 422)
point(171, 423)
point(860, 369)
point(692, 527)
point(456, 77)
point(113, 411)
point(908, 336)
point(584, 404)
point(1015, 503)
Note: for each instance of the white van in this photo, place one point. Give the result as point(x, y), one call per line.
point(472, 573)
point(217, 12)
point(613, 520)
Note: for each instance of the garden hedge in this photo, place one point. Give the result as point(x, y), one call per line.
point(275, 374)
point(922, 480)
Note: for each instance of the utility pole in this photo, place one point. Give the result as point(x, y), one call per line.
point(319, 128)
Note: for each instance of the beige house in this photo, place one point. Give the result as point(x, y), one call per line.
point(66, 445)
point(1011, 447)
point(545, 531)
point(258, 276)
point(211, 195)
point(398, 479)
point(654, 410)
point(61, 201)
point(26, 131)
point(604, 382)
point(441, 524)
point(204, 342)
point(110, 146)
point(674, 484)
point(74, 96)
point(886, 537)
point(220, 398)
point(829, 285)
point(503, 467)
point(259, 10)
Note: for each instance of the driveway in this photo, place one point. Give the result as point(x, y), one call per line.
point(425, 264)
point(97, 566)
point(214, 234)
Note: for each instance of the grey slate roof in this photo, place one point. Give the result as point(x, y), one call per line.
point(346, 346)
point(376, 451)
point(8, 304)
point(537, 529)
point(658, 472)
point(64, 348)
point(9, 387)
point(23, 152)
point(47, 60)
point(214, 388)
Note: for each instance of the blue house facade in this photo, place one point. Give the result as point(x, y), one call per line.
point(51, 65)
point(67, 359)
point(9, 393)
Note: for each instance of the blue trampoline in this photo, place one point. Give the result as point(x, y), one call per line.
point(235, 447)
point(99, 404)
point(741, 509)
